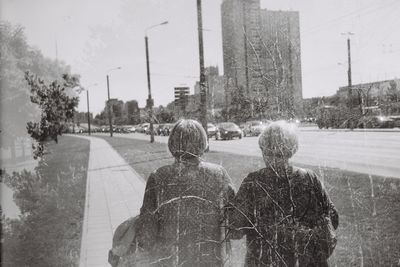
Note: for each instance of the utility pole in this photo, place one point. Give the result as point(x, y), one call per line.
point(349, 87)
point(203, 91)
point(109, 107)
point(349, 73)
point(149, 100)
point(349, 92)
point(88, 112)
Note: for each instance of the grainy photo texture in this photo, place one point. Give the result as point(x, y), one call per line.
point(200, 133)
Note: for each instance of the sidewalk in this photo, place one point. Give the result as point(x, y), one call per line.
point(114, 192)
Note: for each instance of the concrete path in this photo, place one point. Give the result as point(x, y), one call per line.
point(114, 192)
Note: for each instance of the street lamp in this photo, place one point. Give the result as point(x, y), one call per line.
point(108, 102)
point(150, 101)
point(88, 110)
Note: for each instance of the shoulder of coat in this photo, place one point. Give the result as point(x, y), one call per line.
point(162, 170)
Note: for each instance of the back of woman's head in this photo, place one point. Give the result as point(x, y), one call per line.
point(279, 140)
point(188, 139)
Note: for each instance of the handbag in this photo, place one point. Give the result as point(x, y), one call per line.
point(132, 241)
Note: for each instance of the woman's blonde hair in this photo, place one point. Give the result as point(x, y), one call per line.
point(279, 139)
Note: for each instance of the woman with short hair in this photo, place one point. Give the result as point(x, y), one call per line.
point(284, 211)
point(186, 202)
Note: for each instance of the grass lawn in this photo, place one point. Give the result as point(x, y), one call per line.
point(51, 200)
point(369, 206)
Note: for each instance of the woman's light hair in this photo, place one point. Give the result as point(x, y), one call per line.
point(279, 139)
point(188, 139)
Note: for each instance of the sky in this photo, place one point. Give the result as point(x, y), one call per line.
point(96, 36)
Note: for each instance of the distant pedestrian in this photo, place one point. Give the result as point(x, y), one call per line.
point(284, 211)
point(186, 201)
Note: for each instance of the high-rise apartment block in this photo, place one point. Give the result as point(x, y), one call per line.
point(262, 55)
point(215, 85)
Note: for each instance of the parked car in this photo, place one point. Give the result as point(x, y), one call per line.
point(167, 128)
point(228, 130)
point(143, 127)
point(104, 129)
point(376, 122)
point(396, 120)
point(212, 130)
point(245, 127)
point(131, 129)
point(164, 129)
point(253, 128)
point(155, 126)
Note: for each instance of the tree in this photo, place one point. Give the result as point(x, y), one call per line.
point(57, 108)
point(17, 57)
point(133, 112)
point(51, 202)
point(164, 115)
point(240, 110)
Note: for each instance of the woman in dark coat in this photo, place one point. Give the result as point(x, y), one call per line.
point(185, 201)
point(284, 211)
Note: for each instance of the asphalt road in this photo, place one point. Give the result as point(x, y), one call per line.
point(370, 152)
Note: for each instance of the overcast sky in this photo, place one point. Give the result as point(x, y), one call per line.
point(94, 36)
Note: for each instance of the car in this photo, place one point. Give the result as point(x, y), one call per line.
point(254, 128)
point(245, 127)
point(396, 121)
point(168, 128)
point(164, 129)
point(212, 130)
point(104, 129)
point(375, 122)
point(228, 130)
point(131, 129)
point(142, 127)
point(155, 126)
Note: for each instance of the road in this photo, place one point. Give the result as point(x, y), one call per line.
point(370, 152)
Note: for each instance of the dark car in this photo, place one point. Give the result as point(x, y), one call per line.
point(228, 130)
point(167, 128)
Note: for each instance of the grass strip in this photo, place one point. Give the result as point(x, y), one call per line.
point(368, 205)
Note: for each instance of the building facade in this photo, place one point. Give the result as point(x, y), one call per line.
point(382, 94)
point(215, 85)
point(262, 55)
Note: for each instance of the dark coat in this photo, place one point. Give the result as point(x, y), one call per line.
point(187, 202)
point(273, 209)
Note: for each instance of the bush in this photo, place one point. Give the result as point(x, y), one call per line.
point(51, 200)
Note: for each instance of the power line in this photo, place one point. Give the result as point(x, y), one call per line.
point(361, 10)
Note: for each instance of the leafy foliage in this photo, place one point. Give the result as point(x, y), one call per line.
point(17, 57)
point(56, 107)
point(51, 201)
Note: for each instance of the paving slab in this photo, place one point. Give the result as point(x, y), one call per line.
point(114, 193)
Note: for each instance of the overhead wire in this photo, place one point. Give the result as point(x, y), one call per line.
point(350, 14)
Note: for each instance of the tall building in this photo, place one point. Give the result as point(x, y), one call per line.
point(262, 55)
point(215, 85)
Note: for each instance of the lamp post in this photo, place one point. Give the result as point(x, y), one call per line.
point(150, 101)
point(108, 102)
point(88, 110)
